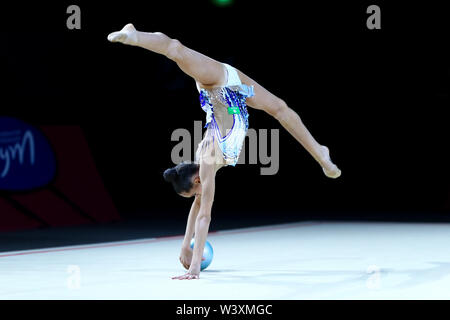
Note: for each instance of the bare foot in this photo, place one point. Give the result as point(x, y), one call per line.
point(328, 167)
point(127, 35)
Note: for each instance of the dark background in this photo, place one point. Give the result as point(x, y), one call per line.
point(376, 98)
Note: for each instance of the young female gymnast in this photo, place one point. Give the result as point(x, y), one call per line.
point(224, 94)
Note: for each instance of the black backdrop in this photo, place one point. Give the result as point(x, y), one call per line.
point(376, 98)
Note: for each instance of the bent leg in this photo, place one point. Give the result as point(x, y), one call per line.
point(290, 120)
point(203, 69)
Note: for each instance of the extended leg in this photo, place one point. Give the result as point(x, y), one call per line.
point(203, 69)
point(290, 120)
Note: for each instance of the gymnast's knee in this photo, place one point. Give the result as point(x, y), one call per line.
point(174, 49)
point(279, 110)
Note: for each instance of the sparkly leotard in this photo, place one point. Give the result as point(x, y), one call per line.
point(226, 115)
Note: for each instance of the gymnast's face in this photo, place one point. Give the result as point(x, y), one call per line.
point(196, 188)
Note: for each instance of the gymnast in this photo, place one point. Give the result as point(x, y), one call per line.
point(225, 92)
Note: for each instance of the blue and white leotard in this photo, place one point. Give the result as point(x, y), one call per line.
point(226, 115)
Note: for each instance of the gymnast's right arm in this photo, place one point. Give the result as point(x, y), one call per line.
point(186, 251)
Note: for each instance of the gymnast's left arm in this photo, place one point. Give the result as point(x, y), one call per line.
point(207, 179)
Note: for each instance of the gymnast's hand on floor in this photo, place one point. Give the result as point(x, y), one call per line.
point(193, 273)
point(127, 35)
point(186, 259)
point(190, 275)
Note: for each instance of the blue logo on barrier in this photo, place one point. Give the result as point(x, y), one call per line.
point(26, 159)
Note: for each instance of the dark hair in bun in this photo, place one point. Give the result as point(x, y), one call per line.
point(181, 176)
point(170, 174)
